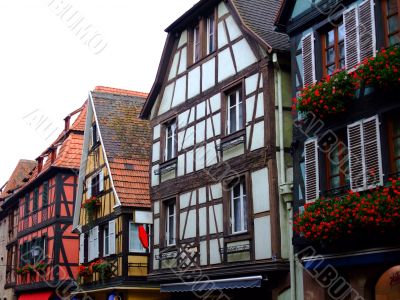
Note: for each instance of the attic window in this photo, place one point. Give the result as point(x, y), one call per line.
point(203, 38)
point(129, 166)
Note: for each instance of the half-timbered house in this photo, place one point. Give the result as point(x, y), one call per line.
point(47, 248)
point(8, 227)
point(221, 131)
point(346, 152)
point(113, 201)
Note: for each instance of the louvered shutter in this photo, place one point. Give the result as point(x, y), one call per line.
point(366, 29)
point(88, 187)
point(111, 237)
point(351, 42)
point(308, 59)
point(82, 248)
point(96, 242)
point(311, 170)
point(101, 181)
point(372, 153)
point(356, 156)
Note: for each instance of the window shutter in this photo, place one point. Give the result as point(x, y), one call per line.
point(311, 168)
point(372, 153)
point(82, 248)
point(89, 187)
point(101, 181)
point(96, 242)
point(308, 59)
point(366, 29)
point(111, 237)
point(351, 42)
point(356, 156)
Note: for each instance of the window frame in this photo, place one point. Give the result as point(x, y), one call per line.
point(133, 250)
point(167, 218)
point(170, 123)
point(106, 240)
point(211, 35)
point(244, 203)
point(335, 46)
point(237, 90)
point(196, 43)
point(27, 205)
point(391, 141)
point(385, 18)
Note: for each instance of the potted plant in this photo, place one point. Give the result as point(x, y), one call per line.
point(28, 269)
point(103, 268)
point(91, 205)
point(85, 271)
point(41, 267)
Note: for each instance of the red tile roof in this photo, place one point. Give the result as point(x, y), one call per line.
point(16, 180)
point(127, 143)
point(67, 147)
point(121, 92)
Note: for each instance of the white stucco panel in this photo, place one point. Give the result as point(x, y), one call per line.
point(183, 62)
point(262, 236)
point(260, 189)
point(208, 75)
point(156, 132)
point(215, 103)
point(222, 36)
point(194, 83)
point(203, 253)
point(244, 56)
point(216, 191)
point(211, 154)
point(181, 165)
point(180, 91)
point(225, 65)
point(156, 152)
point(188, 231)
point(174, 67)
point(202, 221)
point(156, 229)
point(215, 254)
point(155, 179)
point(183, 38)
point(251, 83)
point(167, 98)
point(258, 136)
point(189, 162)
point(200, 152)
point(233, 28)
point(200, 132)
point(222, 9)
point(202, 195)
point(218, 217)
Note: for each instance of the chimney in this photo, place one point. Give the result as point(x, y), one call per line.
point(67, 123)
point(40, 164)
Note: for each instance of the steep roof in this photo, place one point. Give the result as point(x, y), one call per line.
point(259, 16)
point(18, 177)
point(126, 141)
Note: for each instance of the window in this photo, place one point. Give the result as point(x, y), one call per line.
point(336, 159)
point(333, 50)
point(26, 207)
point(135, 244)
point(170, 221)
point(238, 207)
point(38, 250)
point(106, 241)
point(196, 44)
point(95, 184)
point(95, 138)
point(24, 254)
point(235, 120)
point(35, 202)
point(394, 144)
point(210, 34)
point(391, 21)
point(170, 140)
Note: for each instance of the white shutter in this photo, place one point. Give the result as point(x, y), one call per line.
point(311, 168)
point(372, 153)
point(101, 181)
point(90, 246)
point(351, 38)
point(307, 48)
point(356, 156)
point(111, 237)
point(89, 187)
point(366, 29)
point(95, 242)
point(82, 248)
point(365, 157)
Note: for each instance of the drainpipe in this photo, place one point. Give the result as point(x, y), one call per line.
point(286, 188)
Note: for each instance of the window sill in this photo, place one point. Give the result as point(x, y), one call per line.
point(167, 166)
point(232, 140)
point(232, 237)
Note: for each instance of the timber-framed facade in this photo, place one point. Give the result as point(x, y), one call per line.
point(220, 167)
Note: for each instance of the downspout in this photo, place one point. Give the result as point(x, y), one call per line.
point(285, 187)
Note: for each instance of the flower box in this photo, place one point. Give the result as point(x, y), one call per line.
point(375, 212)
point(85, 271)
point(103, 268)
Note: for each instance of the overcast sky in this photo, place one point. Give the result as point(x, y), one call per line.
point(54, 51)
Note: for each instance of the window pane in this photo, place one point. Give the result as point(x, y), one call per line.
point(106, 238)
point(392, 24)
point(341, 32)
point(240, 125)
point(237, 210)
point(391, 6)
point(134, 242)
point(232, 118)
point(394, 39)
point(330, 38)
point(330, 69)
point(330, 56)
point(236, 191)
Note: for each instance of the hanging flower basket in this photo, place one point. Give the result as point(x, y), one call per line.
point(103, 268)
point(381, 71)
point(91, 205)
point(375, 211)
point(27, 269)
point(328, 97)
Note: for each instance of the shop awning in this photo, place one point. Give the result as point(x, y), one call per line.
point(36, 296)
point(231, 283)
